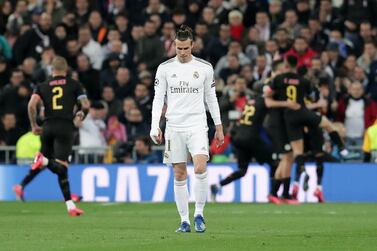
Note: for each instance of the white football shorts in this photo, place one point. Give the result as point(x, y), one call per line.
point(179, 144)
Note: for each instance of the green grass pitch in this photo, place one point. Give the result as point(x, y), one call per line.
point(145, 226)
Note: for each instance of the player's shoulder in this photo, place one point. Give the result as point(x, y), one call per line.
point(202, 61)
point(167, 62)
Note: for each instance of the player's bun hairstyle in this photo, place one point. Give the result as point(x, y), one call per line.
point(291, 60)
point(183, 33)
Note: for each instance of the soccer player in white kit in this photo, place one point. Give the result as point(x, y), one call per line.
point(188, 84)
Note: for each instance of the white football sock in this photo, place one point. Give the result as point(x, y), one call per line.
point(182, 199)
point(201, 191)
point(70, 205)
point(44, 161)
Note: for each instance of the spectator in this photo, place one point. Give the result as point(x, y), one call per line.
point(14, 98)
point(97, 27)
point(283, 40)
point(144, 101)
point(69, 20)
point(5, 48)
point(19, 17)
point(135, 124)
point(221, 9)
point(261, 69)
point(73, 50)
point(167, 38)
point(32, 42)
point(123, 85)
point(44, 68)
point(234, 67)
point(263, 25)
point(56, 9)
point(319, 37)
point(82, 11)
point(302, 51)
point(115, 132)
point(144, 152)
point(357, 113)
point(115, 8)
point(237, 28)
point(9, 133)
point(275, 11)
point(108, 74)
point(4, 72)
point(146, 79)
point(178, 17)
point(89, 77)
point(303, 11)
point(156, 7)
point(291, 23)
point(91, 132)
point(115, 105)
point(233, 49)
point(194, 8)
point(90, 47)
point(149, 49)
point(208, 16)
point(128, 104)
point(201, 31)
point(5, 12)
point(218, 46)
point(369, 55)
point(122, 25)
point(28, 68)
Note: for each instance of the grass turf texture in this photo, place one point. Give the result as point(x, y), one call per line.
point(46, 226)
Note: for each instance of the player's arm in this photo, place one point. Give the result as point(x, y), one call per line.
point(160, 85)
point(268, 93)
point(32, 112)
point(213, 105)
point(83, 109)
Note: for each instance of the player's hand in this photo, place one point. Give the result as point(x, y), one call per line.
point(77, 120)
point(293, 105)
point(219, 136)
point(156, 135)
point(36, 130)
point(322, 103)
point(80, 115)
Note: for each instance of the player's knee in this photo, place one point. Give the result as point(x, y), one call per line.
point(200, 168)
point(180, 174)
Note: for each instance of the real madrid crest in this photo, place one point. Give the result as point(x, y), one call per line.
point(196, 75)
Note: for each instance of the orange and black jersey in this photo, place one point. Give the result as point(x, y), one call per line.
point(59, 95)
point(253, 114)
point(290, 86)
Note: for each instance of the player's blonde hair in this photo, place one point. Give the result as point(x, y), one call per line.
point(59, 64)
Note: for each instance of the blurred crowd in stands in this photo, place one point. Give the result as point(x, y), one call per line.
point(113, 48)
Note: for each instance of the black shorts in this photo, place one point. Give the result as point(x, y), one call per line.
point(296, 120)
point(247, 148)
point(275, 127)
point(57, 139)
point(313, 140)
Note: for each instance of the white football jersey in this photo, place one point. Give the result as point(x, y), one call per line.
point(187, 87)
